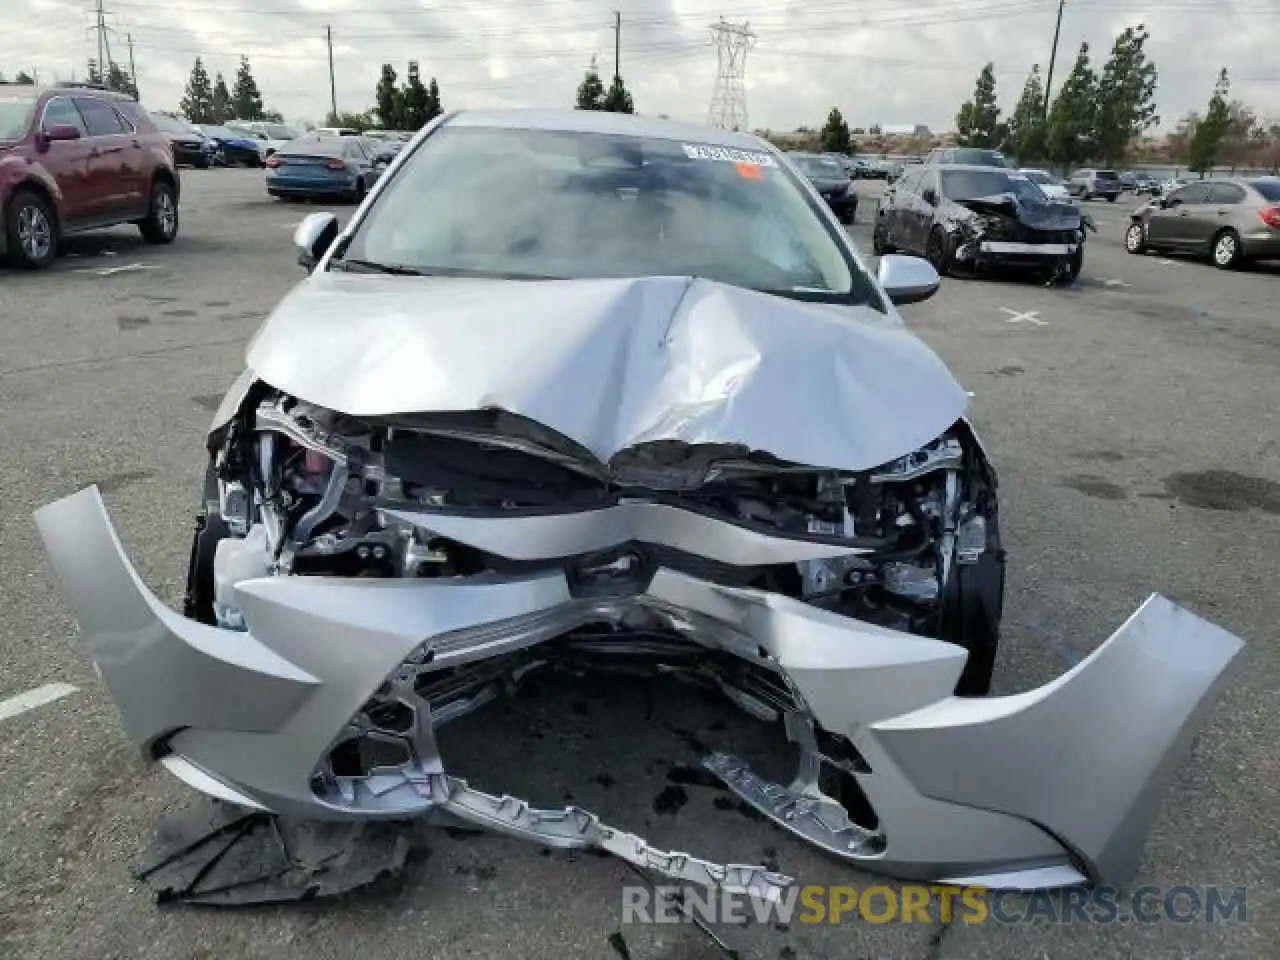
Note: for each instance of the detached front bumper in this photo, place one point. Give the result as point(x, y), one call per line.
point(1043, 788)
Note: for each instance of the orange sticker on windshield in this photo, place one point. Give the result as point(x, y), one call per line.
point(749, 171)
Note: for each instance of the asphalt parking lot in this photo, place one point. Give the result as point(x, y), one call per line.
point(1135, 419)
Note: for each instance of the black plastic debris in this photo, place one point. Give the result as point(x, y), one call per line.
point(219, 854)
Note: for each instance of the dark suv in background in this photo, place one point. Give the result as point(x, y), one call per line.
point(77, 158)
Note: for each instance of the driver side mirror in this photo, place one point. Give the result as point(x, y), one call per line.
point(907, 279)
point(930, 196)
point(314, 237)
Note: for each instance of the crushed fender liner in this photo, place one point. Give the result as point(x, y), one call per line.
point(1000, 790)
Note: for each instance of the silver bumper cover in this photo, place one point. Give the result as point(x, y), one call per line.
point(1050, 786)
point(1027, 249)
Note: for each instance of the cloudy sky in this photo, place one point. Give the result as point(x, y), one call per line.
point(885, 61)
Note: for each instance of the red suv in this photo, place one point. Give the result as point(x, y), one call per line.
point(76, 158)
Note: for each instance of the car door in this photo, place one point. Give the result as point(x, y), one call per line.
point(358, 159)
point(1187, 208)
point(898, 224)
point(114, 159)
point(68, 161)
point(923, 211)
point(1222, 208)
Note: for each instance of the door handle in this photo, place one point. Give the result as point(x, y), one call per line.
point(94, 152)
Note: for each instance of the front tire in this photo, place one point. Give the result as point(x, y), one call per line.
point(161, 223)
point(210, 528)
point(938, 252)
point(879, 243)
point(31, 230)
point(1226, 250)
point(1135, 239)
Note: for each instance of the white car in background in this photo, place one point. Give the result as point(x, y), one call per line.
point(270, 136)
point(1055, 188)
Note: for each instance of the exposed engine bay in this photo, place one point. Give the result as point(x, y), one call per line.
point(316, 493)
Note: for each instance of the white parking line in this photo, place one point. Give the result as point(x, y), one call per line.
point(1029, 316)
point(34, 698)
point(1116, 283)
point(109, 271)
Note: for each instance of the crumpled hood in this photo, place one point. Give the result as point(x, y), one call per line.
point(1041, 216)
point(614, 363)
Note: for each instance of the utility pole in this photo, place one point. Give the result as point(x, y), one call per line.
point(617, 46)
point(1053, 55)
point(133, 74)
point(333, 87)
point(100, 25)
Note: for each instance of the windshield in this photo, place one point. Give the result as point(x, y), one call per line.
point(222, 132)
point(314, 147)
point(820, 167)
point(1270, 189)
point(972, 184)
point(1039, 176)
point(15, 116)
point(980, 158)
point(277, 131)
point(170, 125)
point(1107, 175)
point(540, 204)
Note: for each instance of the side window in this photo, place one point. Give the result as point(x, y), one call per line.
point(100, 118)
point(1193, 193)
point(353, 150)
point(1225, 193)
point(60, 110)
point(910, 181)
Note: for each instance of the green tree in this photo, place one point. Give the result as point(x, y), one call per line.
point(590, 90)
point(1072, 118)
point(246, 99)
point(618, 99)
point(222, 108)
point(359, 122)
point(197, 101)
point(273, 116)
point(978, 122)
point(1211, 132)
point(93, 74)
point(118, 79)
point(387, 102)
point(835, 135)
point(1025, 138)
point(1126, 96)
point(434, 106)
point(415, 98)
point(1177, 144)
point(24, 77)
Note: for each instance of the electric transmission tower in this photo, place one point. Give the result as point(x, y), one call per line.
point(729, 98)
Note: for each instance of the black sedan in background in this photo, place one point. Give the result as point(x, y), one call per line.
point(830, 179)
point(236, 149)
point(188, 147)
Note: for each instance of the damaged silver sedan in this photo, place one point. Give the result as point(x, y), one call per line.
point(579, 389)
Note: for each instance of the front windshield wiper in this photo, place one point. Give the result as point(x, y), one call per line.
point(372, 266)
point(357, 265)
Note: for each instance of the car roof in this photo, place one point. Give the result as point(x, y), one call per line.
point(968, 167)
point(603, 121)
